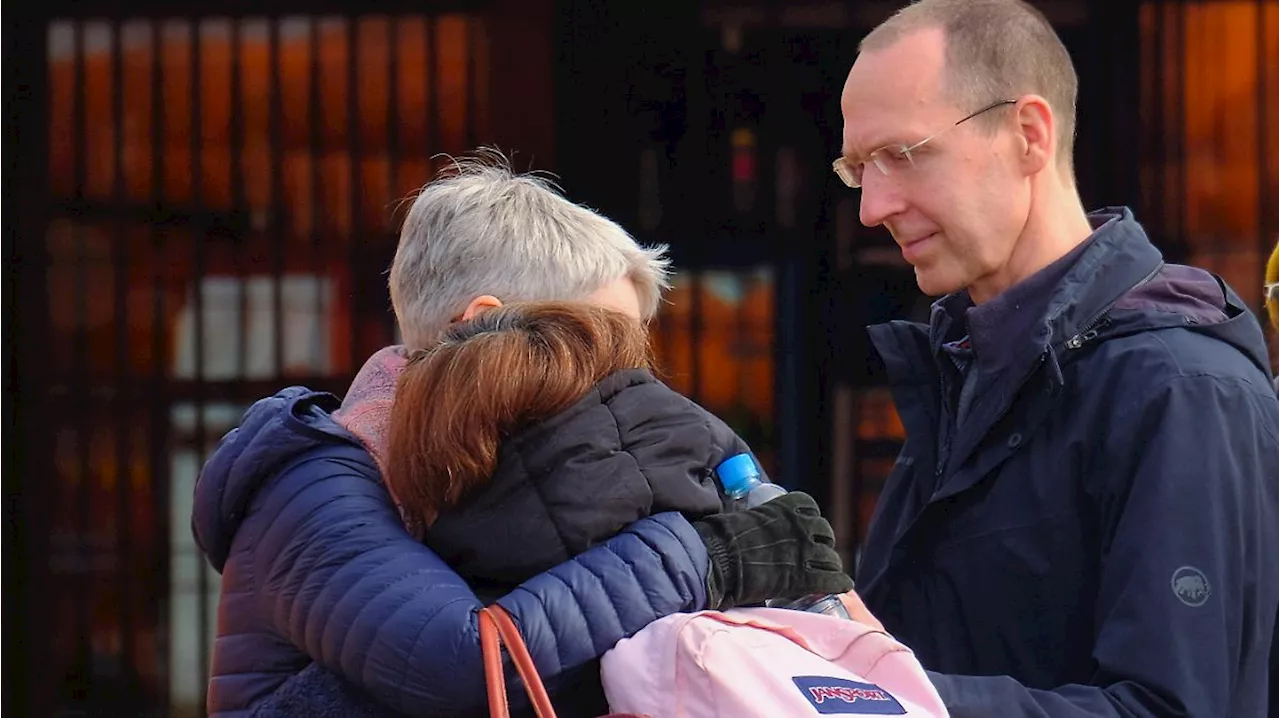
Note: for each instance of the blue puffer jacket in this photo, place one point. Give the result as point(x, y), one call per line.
point(316, 564)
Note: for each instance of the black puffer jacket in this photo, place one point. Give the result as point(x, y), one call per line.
point(631, 448)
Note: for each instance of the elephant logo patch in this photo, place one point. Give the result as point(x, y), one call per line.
point(1190, 586)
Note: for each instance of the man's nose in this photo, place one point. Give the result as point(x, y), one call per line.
point(881, 197)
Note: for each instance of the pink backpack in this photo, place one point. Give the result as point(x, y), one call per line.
point(765, 662)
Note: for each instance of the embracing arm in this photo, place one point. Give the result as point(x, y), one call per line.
point(341, 579)
point(1187, 601)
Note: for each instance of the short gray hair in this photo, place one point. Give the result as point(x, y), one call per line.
point(481, 228)
point(996, 50)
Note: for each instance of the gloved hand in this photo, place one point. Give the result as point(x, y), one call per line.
point(780, 549)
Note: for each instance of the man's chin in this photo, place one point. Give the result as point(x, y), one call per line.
point(932, 285)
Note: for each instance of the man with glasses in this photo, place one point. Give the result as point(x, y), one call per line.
point(1083, 518)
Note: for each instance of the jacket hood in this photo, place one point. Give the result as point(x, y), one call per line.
point(1122, 286)
point(1119, 285)
point(273, 432)
point(1192, 298)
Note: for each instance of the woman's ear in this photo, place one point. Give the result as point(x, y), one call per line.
point(477, 305)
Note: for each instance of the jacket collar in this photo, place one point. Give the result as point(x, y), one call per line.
point(1118, 257)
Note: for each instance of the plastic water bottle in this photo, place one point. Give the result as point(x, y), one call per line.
point(816, 603)
point(740, 478)
point(742, 484)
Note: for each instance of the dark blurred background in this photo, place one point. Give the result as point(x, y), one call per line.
point(202, 197)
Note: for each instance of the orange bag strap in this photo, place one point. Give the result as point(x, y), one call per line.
point(497, 628)
point(491, 650)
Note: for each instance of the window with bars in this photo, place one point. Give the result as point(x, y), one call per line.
point(224, 195)
point(1209, 104)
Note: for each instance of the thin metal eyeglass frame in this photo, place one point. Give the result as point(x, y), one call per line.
point(844, 169)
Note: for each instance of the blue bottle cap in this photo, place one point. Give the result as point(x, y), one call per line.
point(738, 474)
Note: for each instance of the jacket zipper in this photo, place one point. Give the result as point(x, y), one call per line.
point(1090, 331)
point(1089, 334)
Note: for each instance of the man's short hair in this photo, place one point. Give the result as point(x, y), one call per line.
point(996, 50)
point(481, 228)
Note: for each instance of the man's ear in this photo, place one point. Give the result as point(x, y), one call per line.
point(1037, 129)
point(479, 304)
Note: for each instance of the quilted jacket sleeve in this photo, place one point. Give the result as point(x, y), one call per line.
point(342, 580)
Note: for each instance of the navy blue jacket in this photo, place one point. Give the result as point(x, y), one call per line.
point(1098, 537)
point(316, 564)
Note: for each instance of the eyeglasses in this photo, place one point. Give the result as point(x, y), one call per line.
point(895, 158)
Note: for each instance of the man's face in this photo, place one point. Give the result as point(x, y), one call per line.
point(957, 208)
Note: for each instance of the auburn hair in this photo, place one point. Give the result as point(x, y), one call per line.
point(489, 378)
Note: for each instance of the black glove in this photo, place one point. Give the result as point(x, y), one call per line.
point(780, 549)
